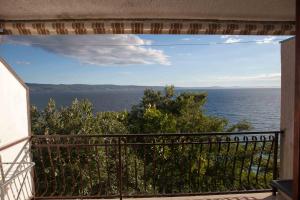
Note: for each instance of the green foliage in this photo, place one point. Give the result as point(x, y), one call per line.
point(146, 168)
point(169, 113)
point(78, 118)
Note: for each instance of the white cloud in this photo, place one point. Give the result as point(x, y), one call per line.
point(267, 40)
point(232, 40)
point(21, 62)
point(97, 50)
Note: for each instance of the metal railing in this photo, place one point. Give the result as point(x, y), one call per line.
point(142, 165)
point(15, 176)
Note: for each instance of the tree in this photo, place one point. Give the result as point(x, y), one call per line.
point(177, 113)
point(177, 164)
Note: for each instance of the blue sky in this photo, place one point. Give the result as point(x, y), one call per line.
point(181, 60)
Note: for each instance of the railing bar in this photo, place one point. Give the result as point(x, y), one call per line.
point(40, 152)
point(21, 186)
point(251, 160)
point(199, 169)
point(159, 195)
point(191, 177)
point(259, 160)
point(135, 171)
point(62, 169)
point(182, 169)
point(243, 161)
point(120, 168)
point(4, 147)
point(161, 135)
point(154, 167)
point(16, 189)
point(107, 167)
point(234, 162)
point(164, 172)
point(126, 166)
point(144, 166)
point(80, 174)
point(25, 185)
point(2, 171)
point(117, 167)
point(173, 163)
point(8, 197)
point(98, 169)
point(226, 160)
point(218, 162)
point(268, 160)
point(16, 163)
point(30, 182)
point(275, 160)
point(20, 189)
point(74, 182)
point(74, 178)
point(89, 172)
point(129, 144)
point(35, 180)
point(16, 177)
point(52, 169)
point(208, 165)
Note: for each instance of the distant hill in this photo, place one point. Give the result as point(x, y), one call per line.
point(82, 88)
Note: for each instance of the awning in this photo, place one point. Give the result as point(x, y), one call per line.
point(56, 17)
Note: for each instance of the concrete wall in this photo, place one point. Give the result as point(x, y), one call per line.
point(14, 125)
point(287, 107)
point(256, 10)
point(287, 110)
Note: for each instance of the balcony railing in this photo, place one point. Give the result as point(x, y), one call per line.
point(15, 179)
point(140, 165)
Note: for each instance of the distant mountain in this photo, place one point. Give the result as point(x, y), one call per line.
point(83, 88)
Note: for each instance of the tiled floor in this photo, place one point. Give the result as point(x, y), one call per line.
point(252, 196)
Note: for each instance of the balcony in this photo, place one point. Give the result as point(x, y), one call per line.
point(155, 165)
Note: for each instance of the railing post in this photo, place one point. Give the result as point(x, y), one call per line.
point(120, 168)
point(2, 171)
point(275, 158)
point(2, 180)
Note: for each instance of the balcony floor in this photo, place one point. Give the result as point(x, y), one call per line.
point(246, 196)
point(250, 196)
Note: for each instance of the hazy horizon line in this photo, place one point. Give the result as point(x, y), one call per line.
point(216, 86)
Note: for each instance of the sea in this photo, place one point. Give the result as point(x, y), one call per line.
point(259, 106)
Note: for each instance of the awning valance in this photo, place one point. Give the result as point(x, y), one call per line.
point(77, 27)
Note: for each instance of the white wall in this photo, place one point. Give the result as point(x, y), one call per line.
point(14, 125)
point(13, 106)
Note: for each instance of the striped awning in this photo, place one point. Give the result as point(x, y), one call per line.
point(79, 27)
